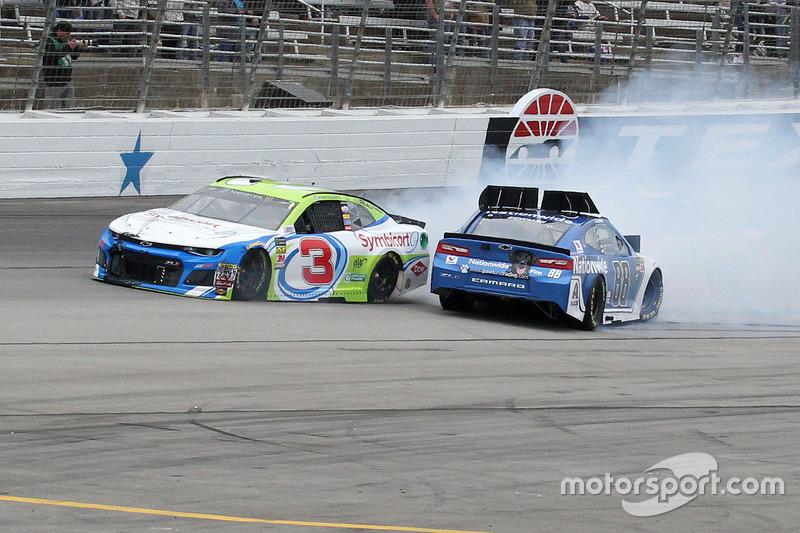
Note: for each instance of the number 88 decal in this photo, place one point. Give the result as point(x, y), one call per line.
point(622, 283)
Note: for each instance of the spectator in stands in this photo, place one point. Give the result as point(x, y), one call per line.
point(59, 53)
point(586, 13)
point(523, 22)
point(563, 18)
point(449, 26)
point(232, 27)
point(781, 21)
point(188, 41)
point(478, 20)
point(171, 29)
point(126, 26)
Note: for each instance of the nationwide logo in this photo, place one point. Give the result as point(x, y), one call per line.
point(540, 134)
point(584, 265)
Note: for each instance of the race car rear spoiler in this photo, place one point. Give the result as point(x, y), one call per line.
point(405, 220)
point(512, 242)
point(568, 202)
point(508, 198)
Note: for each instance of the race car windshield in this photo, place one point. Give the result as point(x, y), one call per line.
point(237, 206)
point(532, 228)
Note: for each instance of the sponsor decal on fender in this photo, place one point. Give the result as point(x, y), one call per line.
point(225, 276)
point(407, 241)
point(584, 265)
point(419, 268)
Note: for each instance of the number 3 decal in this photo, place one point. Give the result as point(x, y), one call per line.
point(321, 270)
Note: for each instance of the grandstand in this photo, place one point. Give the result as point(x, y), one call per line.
point(383, 53)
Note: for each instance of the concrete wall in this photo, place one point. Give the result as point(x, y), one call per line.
point(49, 155)
point(107, 154)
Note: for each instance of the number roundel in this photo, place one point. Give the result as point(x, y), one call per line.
point(312, 267)
point(320, 271)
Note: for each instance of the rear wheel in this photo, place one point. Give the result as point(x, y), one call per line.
point(595, 305)
point(383, 279)
point(653, 296)
point(252, 280)
point(456, 300)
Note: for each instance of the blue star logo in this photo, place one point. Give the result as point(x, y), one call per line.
point(134, 162)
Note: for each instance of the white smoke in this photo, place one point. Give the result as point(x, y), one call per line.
point(725, 238)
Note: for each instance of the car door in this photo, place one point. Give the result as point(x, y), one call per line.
point(316, 256)
point(622, 277)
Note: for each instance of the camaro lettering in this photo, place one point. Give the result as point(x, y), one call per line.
point(498, 283)
point(387, 240)
point(584, 265)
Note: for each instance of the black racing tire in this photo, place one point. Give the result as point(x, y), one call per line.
point(253, 277)
point(595, 305)
point(653, 296)
point(456, 300)
point(383, 279)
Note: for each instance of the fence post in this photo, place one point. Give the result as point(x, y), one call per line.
point(495, 42)
point(794, 49)
point(356, 51)
point(698, 49)
point(257, 52)
point(206, 55)
point(334, 90)
point(540, 71)
point(147, 71)
point(50, 18)
point(387, 63)
point(598, 56)
point(637, 34)
point(452, 50)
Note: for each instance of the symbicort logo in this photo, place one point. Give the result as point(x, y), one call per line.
point(539, 134)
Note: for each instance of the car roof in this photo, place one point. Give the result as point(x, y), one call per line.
point(267, 187)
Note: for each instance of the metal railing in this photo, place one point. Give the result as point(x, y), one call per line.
point(170, 54)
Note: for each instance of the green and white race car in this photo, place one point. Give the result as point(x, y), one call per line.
point(249, 238)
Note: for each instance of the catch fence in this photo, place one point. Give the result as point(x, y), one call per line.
point(229, 54)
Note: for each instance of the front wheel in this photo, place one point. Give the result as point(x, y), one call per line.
point(383, 279)
point(252, 280)
point(595, 306)
point(653, 296)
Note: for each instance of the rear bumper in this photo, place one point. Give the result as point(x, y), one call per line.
point(541, 285)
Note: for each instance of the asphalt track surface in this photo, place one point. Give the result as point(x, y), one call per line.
point(125, 410)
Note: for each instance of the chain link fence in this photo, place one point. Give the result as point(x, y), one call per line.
point(137, 55)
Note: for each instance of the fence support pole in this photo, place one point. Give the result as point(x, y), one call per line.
point(540, 71)
point(206, 55)
point(334, 90)
point(147, 71)
point(387, 63)
point(263, 27)
point(452, 50)
point(356, 51)
point(49, 20)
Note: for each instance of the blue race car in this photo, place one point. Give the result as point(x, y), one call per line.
point(560, 255)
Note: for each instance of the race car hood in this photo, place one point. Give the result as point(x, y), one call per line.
point(167, 226)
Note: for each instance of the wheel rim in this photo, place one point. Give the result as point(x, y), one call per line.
point(651, 292)
point(251, 273)
point(383, 279)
